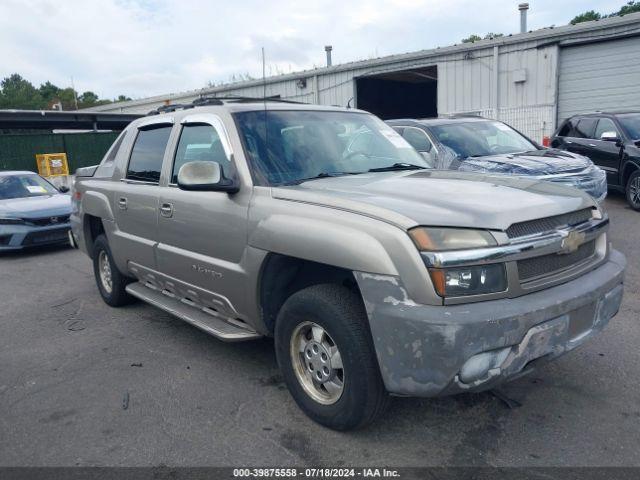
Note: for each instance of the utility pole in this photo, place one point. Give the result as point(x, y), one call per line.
point(75, 95)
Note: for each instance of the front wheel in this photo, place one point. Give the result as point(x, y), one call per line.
point(633, 190)
point(326, 356)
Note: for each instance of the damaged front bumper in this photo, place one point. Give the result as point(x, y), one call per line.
point(432, 350)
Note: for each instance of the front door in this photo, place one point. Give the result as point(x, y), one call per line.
point(203, 234)
point(606, 153)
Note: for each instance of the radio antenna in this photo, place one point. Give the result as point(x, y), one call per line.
point(264, 77)
point(264, 101)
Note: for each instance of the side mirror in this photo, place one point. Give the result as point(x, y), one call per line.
point(609, 137)
point(63, 189)
point(205, 176)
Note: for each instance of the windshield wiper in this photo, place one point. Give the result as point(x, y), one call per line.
point(398, 166)
point(319, 176)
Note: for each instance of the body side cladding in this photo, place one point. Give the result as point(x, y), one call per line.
point(97, 204)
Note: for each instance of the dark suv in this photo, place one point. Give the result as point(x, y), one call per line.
point(611, 141)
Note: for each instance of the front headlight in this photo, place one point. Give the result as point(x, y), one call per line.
point(460, 281)
point(11, 221)
point(440, 239)
point(475, 280)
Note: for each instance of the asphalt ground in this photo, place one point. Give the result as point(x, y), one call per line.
point(85, 384)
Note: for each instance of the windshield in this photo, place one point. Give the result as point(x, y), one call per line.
point(21, 186)
point(631, 123)
point(478, 139)
point(289, 146)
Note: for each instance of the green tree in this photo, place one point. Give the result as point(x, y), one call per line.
point(49, 92)
point(472, 38)
point(122, 98)
point(16, 92)
point(476, 38)
point(630, 7)
point(586, 17)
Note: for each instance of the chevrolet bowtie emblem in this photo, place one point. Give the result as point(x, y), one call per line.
point(572, 241)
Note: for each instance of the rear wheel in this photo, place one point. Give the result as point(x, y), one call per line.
point(326, 356)
point(633, 190)
point(111, 283)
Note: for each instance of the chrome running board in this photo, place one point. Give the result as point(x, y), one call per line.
point(203, 318)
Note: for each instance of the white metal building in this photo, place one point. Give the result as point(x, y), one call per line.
point(529, 80)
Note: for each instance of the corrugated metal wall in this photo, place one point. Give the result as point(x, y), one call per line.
point(18, 152)
point(466, 76)
point(599, 76)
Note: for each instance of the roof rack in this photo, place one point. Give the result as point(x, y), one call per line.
point(204, 100)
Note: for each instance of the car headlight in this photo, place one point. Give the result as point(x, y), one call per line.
point(441, 239)
point(459, 281)
point(475, 280)
point(11, 221)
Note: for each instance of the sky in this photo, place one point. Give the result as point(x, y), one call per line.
point(141, 48)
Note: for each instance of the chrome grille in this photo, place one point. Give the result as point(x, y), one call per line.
point(548, 224)
point(549, 264)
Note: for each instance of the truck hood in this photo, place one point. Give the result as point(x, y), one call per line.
point(441, 198)
point(537, 162)
point(36, 207)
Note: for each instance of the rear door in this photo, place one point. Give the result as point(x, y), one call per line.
point(203, 235)
point(137, 195)
point(580, 135)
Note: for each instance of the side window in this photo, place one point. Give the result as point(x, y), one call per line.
point(565, 131)
point(115, 148)
point(585, 128)
point(605, 125)
point(417, 139)
point(147, 153)
point(199, 142)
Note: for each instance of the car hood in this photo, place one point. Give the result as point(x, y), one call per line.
point(36, 207)
point(438, 197)
point(537, 162)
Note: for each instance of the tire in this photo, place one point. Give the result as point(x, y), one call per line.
point(341, 315)
point(632, 190)
point(116, 296)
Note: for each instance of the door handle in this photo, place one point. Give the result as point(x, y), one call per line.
point(122, 203)
point(166, 210)
point(568, 141)
point(592, 145)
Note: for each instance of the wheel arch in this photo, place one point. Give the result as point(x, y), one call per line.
point(282, 275)
point(629, 167)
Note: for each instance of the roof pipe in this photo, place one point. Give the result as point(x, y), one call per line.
point(328, 49)
point(523, 7)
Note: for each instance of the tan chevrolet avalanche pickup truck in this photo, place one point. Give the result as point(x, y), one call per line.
point(323, 228)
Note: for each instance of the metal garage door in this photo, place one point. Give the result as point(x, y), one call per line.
point(599, 76)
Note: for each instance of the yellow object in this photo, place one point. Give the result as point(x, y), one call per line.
point(52, 164)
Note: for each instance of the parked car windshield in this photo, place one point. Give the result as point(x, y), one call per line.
point(478, 139)
point(631, 123)
point(289, 146)
point(21, 186)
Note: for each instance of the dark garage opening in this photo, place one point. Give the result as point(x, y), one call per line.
point(403, 94)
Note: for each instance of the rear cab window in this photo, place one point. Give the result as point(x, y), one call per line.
point(147, 154)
